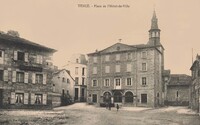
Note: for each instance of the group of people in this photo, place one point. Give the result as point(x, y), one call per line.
point(109, 105)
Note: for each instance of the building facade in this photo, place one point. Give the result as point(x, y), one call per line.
point(78, 70)
point(25, 73)
point(63, 85)
point(178, 90)
point(128, 74)
point(195, 88)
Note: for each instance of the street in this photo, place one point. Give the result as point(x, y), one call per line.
point(83, 114)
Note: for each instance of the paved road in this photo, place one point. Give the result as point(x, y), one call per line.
point(82, 114)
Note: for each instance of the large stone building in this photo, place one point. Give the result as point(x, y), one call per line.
point(128, 74)
point(25, 73)
point(78, 70)
point(195, 88)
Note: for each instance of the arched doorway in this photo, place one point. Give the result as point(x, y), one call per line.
point(117, 96)
point(129, 97)
point(107, 97)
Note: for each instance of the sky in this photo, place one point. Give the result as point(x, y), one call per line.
point(69, 28)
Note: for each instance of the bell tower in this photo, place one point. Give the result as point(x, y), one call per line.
point(154, 32)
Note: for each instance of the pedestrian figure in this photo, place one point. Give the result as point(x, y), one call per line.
point(117, 107)
point(106, 105)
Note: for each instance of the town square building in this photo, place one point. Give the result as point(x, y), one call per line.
point(77, 67)
point(128, 74)
point(25, 73)
point(195, 87)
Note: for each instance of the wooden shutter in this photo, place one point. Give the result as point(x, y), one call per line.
point(44, 99)
point(2, 58)
point(41, 59)
point(15, 55)
point(25, 98)
point(32, 98)
point(33, 78)
point(37, 59)
point(14, 76)
point(44, 78)
point(5, 75)
point(26, 57)
point(12, 98)
point(25, 77)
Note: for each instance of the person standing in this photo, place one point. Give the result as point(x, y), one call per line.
point(117, 107)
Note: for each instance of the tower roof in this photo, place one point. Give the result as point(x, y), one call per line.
point(154, 21)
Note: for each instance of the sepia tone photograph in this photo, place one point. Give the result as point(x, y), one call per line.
point(99, 62)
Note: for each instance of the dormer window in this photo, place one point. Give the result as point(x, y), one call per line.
point(77, 60)
point(20, 56)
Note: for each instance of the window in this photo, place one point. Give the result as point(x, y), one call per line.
point(76, 80)
point(107, 58)
point(117, 57)
point(63, 79)
point(38, 98)
point(143, 98)
point(39, 59)
point(128, 56)
point(144, 54)
point(94, 82)
point(95, 59)
point(19, 98)
point(77, 60)
point(76, 70)
point(20, 56)
point(144, 67)
point(117, 82)
point(144, 81)
point(39, 78)
point(1, 75)
point(94, 70)
point(83, 81)
point(117, 68)
point(107, 82)
point(107, 69)
point(68, 81)
point(128, 82)
point(83, 71)
point(128, 67)
point(20, 77)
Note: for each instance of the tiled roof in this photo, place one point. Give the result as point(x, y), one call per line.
point(19, 40)
point(179, 79)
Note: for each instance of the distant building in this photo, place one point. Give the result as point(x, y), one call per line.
point(78, 70)
point(128, 74)
point(178, 90)
point(25, 73)
point(63, 85)
point(195, 88)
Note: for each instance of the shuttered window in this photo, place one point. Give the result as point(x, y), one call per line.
point(39, 78)
point(117, 68)
point(39, 59)
point(33, 78)
point(26, 57)
point(1, 57)
point(5, 75)
point(107, 69)
point(20, 77)
point(94, 70)
point(14, 76)
point(38, 98)
point(44, 78)
point(25, 77)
